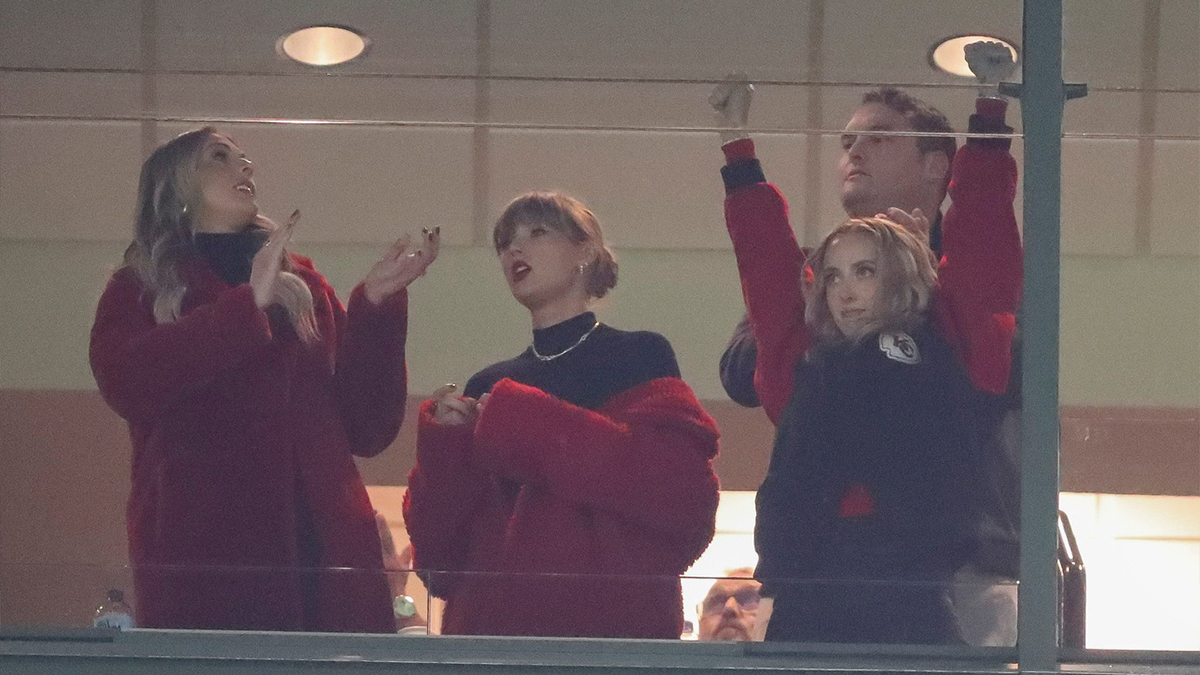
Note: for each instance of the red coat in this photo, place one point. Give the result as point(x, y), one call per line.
point(242, 440)
point(979, 276)
point(625, 494)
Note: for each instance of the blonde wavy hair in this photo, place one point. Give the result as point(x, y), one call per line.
point(168, 199)
point(907, 273)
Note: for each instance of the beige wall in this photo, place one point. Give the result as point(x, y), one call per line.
point(451, 151)
point(1129, 324)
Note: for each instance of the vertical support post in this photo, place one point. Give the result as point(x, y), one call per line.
point(481, 137)
point(148, 65)
point(814, 169)
point(1042, 102)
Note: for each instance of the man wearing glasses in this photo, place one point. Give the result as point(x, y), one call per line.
point(728, 611)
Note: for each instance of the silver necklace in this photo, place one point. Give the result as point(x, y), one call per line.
point(578, 342)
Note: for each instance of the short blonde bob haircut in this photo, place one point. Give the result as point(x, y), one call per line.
point(569, 217)
point(907, 274)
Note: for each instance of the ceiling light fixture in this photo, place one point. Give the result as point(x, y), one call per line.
point(323, 46)
point(948, 55)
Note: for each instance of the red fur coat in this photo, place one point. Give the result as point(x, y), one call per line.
point(549, 519)
point(242, 442)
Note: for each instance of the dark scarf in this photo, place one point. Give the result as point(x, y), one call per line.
point(231, 254)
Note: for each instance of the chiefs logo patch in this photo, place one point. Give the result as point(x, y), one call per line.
point(899, 347)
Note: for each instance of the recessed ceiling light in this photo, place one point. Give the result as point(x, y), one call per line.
point(948, 55)
point(323, 45)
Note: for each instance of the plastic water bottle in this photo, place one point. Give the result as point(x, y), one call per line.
point(114, 612)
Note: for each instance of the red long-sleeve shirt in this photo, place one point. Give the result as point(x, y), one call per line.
point(979, 277)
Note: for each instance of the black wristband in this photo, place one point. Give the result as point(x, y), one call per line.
point(743, 174)
point(985, 124)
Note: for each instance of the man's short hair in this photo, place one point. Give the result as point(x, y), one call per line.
point(920, 115)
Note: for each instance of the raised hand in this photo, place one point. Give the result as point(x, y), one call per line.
point(264, 269)
point(991, 62)
point(401, 265)
point(731, 101)
point(914, 222)
point(451, 410)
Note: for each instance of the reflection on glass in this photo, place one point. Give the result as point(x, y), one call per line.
point(624, 89)
point(1131, 302)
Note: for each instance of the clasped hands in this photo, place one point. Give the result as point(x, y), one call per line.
point(452, 410)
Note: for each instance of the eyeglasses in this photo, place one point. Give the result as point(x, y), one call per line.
point(747, 600)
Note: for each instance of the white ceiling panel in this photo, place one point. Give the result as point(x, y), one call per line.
point(392, 173)
point(70, 34)
point(415, 36)
point(636, 105)
point(360, 184)
point(1102, 42)
point(1099, 197)
point(1175, 228)
point(889, 40)
point(1103, 112)
point(68, 180)
point(601, 104)
point(1178, 47)
point(1178, 114)
point(634, 38)
point(662, 191)
point(309, 97)
point(71, 94)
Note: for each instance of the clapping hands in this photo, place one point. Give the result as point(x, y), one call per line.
point(264, 269)
point(401, 265)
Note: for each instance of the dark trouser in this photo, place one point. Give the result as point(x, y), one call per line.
point(863, 612)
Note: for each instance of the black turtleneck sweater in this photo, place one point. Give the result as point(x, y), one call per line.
point(607, 363)
point(231, 254)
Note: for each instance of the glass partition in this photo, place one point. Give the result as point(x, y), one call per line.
point(55, 599)
point(457, 107)
point(1130, 379)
